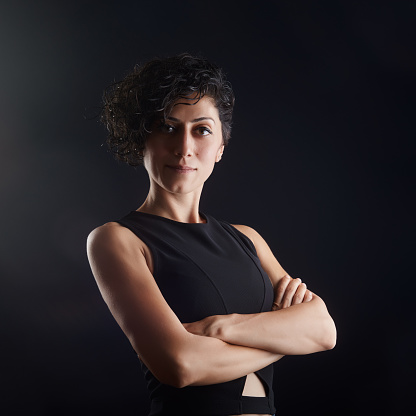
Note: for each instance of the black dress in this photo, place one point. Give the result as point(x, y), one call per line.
point(205, 269)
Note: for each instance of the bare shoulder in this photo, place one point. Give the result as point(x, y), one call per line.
point(262, 247)
point(111, 234)
point(267, 259)
point(112, 240)
point(109, 230)
point(249, 232)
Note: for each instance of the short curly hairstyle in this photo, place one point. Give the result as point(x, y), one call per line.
point(149, 93)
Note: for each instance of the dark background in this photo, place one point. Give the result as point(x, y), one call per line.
point(319, 163)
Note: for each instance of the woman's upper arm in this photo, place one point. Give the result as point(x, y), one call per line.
point(119, 266)
point(267, 259)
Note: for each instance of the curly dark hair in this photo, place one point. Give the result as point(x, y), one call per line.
point(149, 93)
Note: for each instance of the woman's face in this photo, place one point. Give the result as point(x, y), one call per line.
point(181, 152)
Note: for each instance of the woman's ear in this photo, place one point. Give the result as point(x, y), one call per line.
point(219, 154)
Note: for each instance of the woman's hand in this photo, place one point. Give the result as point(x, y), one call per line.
point(290, 292)
point(211, 326)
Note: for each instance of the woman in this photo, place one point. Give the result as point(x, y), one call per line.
point(206, 305)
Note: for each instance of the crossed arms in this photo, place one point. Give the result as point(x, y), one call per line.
point(298, 324)
point(214, 350)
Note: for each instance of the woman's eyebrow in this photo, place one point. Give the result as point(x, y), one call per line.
point(195, 120)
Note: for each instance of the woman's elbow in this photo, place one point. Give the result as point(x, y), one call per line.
point(328, 337)
point(176, 379)
point(328, 334)
point(176, 374)
point(190, 371)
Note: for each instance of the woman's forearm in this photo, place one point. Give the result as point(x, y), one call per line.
point(206, 360)
point(300, 329)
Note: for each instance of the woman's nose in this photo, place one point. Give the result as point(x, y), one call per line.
point(184, 144)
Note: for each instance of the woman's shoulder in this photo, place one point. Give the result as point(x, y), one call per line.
point(112, 236)
point(244, 234)
point(109, 230)
point(264, 253)
point(249, 232)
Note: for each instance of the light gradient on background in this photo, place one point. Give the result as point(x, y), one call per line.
point(319, 163)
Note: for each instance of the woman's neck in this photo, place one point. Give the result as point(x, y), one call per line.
point(177, 207)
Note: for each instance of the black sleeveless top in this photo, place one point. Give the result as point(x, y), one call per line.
point(205, 269)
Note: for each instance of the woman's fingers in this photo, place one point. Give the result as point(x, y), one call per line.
point(290, 291)
point(308, 296)
point(299, 295)
point(280, 291)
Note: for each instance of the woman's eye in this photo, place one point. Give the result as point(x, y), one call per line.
point(204, 131)
point(166, 128)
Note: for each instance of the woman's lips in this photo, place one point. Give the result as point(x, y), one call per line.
point(181, 169)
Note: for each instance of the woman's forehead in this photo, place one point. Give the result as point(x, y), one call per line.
point(192, 108)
